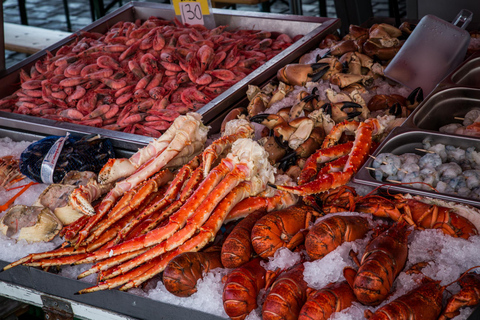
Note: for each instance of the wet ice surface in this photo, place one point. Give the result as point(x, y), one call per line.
point(11, 250)
point(208, 297)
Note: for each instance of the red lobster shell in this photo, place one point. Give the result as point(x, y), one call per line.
point(327, 235)
point(384, 258)
point(241, 289)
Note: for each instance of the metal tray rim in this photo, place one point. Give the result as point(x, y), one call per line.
point(364, 177)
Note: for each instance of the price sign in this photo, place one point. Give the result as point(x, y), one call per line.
point(194, 12)
point(191, 13)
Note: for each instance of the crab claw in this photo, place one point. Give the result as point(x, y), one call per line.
point(342, 111)
point(300, 74)
point(268, 120)
point(395, 109)
point(414, 98)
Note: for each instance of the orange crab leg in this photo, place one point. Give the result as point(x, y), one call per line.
point(217, 147)
point(280, 200)
point(337, 131)
point(176, 221)
point(65, 260)
point(113, 283)
point(111, 262)
point(324, 182)
point(194, 222)
point(69, 232)
point(137, 276)
point(49, 254)
point(207, 234)
point(322, 156)
point(19, 193)
point(183, 174)
point(132, 200)
point(190, 186)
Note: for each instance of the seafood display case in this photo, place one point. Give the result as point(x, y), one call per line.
point(40, 288)
point(45, 289)
point(314, 30)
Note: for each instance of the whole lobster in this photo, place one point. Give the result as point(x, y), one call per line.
point(384, 258)
point(286, 295)
point(241, 289)
point(182, 273)
point(322, 303)
point(328, 234)
point(424, 302)
point(237, 248)
point(280, 229)
point(419, 214)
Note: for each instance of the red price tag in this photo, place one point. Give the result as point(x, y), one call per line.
point(191, 13)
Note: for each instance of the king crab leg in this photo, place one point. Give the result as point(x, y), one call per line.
point(176, 221)
point(125, 206)
point(185, 137)
point(119, 168)
point(356, 158)
point(207, 233)
point(194, 222)
point(234, 130)
point(184, 173)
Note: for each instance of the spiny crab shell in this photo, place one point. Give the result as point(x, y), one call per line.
point(30, 223)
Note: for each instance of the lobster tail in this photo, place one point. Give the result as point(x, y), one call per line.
point(384, 258)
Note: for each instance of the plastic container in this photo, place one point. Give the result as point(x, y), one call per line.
point(433, 50)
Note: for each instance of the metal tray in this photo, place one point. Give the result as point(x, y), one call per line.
point(442, 107)
point(402, 140)
point(314, 29)
point(30, 285)
point(468, 74)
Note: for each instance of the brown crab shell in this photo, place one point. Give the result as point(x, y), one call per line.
point(30, 223)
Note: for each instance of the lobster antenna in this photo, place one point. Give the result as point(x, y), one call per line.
point(463, 275)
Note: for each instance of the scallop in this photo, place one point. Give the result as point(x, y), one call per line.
point(471, 117)
point(30, 223)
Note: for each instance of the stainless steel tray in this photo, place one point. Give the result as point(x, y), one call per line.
point(30, 284)
point(402, 140)
point(467, 74)
point(314, 29)
point(443, 106)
